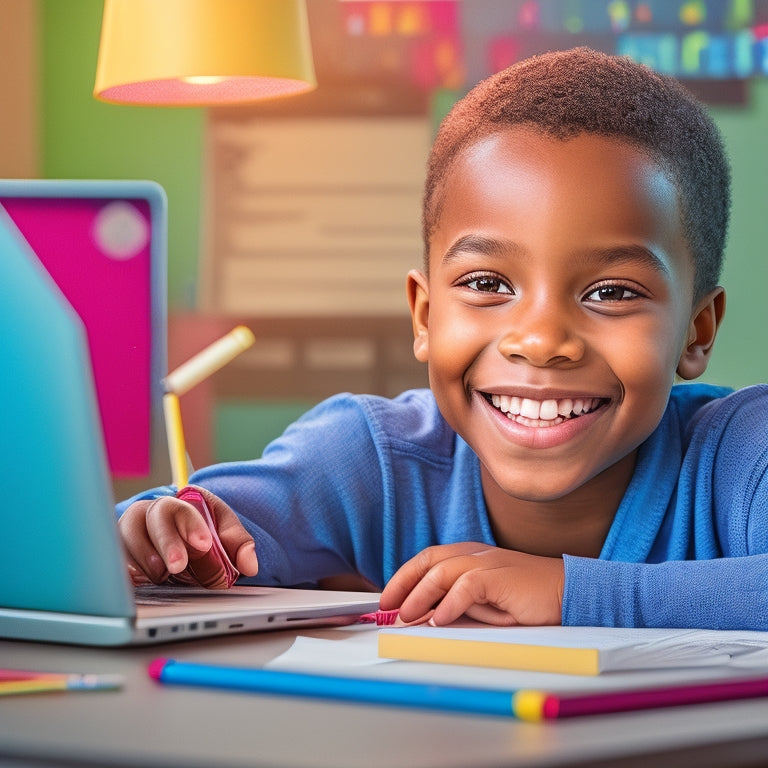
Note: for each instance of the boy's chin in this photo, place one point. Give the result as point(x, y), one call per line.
point(531, 487)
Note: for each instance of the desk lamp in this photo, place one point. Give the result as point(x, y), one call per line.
point(203, 52)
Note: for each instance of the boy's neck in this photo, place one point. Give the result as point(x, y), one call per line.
point(573, 525)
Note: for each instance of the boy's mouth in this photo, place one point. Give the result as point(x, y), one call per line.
point(544, 413)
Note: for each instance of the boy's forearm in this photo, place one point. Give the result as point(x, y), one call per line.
point(728, 593)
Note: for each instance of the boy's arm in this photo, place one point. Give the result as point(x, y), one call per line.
point(504, 587)
point(727, 588)
point(302, 503)
point(727, 593)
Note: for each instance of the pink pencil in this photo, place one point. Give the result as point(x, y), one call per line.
point(555, 707)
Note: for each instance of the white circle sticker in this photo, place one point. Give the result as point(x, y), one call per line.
point(120, 230)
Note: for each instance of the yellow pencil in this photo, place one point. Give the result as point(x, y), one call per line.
point(177, 449)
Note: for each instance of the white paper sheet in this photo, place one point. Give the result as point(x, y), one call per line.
point(353, 651)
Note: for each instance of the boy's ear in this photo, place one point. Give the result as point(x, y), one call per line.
point(417, 288)
point(705, 320)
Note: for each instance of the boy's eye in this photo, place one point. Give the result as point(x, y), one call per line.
point(487, 284)
point(611, 292)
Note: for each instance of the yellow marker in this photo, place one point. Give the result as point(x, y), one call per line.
point(204, 363)
point(177, 449)
point(182, 379)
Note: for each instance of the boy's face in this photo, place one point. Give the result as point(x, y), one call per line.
point(559, 284)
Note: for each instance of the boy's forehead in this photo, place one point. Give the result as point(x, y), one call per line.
point(590, 163)
point(607, 178)
point(581, 158)
point(530, 142)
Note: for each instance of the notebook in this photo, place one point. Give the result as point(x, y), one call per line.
point(63, 575)
point(573, 650)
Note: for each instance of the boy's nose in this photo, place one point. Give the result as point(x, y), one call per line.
point(541, 337)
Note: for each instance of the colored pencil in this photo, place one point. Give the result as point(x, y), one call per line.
point(419, 695)
point(553, 707)
point(16, 682)
point(174, 431)
point(524, 704)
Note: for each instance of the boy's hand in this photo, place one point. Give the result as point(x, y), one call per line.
point(488, 584)
point(161, 537)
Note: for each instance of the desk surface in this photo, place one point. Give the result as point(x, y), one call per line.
point(151, 725)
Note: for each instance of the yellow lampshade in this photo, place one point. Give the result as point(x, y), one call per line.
point(203, 52)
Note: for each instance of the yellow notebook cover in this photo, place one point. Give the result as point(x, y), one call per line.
point(569, 650)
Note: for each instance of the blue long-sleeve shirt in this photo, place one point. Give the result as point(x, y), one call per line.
point(360, 484)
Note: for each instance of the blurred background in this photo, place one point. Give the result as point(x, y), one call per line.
point(300, 217)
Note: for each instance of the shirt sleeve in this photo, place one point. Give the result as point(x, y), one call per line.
point(152, 493)
point(725, 593)
point(727, 490)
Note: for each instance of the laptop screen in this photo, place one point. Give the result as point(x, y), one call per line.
point(104, 244)
point(58, 548)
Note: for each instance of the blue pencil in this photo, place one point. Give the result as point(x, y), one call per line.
point(394, 693)
point(524, 704)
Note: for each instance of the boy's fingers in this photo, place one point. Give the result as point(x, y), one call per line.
point(169, 536)
point(478, 595)
point(237, 542)
point(245, 560)
point(433, 588)
point(174, 526)
point(136, 574)
point(503, 594)
point(144, 563)
point(414, 571)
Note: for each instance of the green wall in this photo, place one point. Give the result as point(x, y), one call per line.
point(741, 353)
point(86, 139)
point(244, 429)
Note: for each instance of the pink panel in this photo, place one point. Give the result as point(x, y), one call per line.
point(98, 252)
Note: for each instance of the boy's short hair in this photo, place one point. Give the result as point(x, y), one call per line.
point(566, 93)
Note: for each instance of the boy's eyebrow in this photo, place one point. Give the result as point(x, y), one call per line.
point(633, 252)
point(614, 254)
point(485, 246)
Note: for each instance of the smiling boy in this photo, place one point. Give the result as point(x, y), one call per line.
point(575, 214)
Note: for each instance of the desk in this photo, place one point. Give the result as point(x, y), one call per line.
point(146, 724)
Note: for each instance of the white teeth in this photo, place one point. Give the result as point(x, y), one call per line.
point(548, 410)
point(544, 410)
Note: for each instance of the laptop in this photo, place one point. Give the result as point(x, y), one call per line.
point(63, 575)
